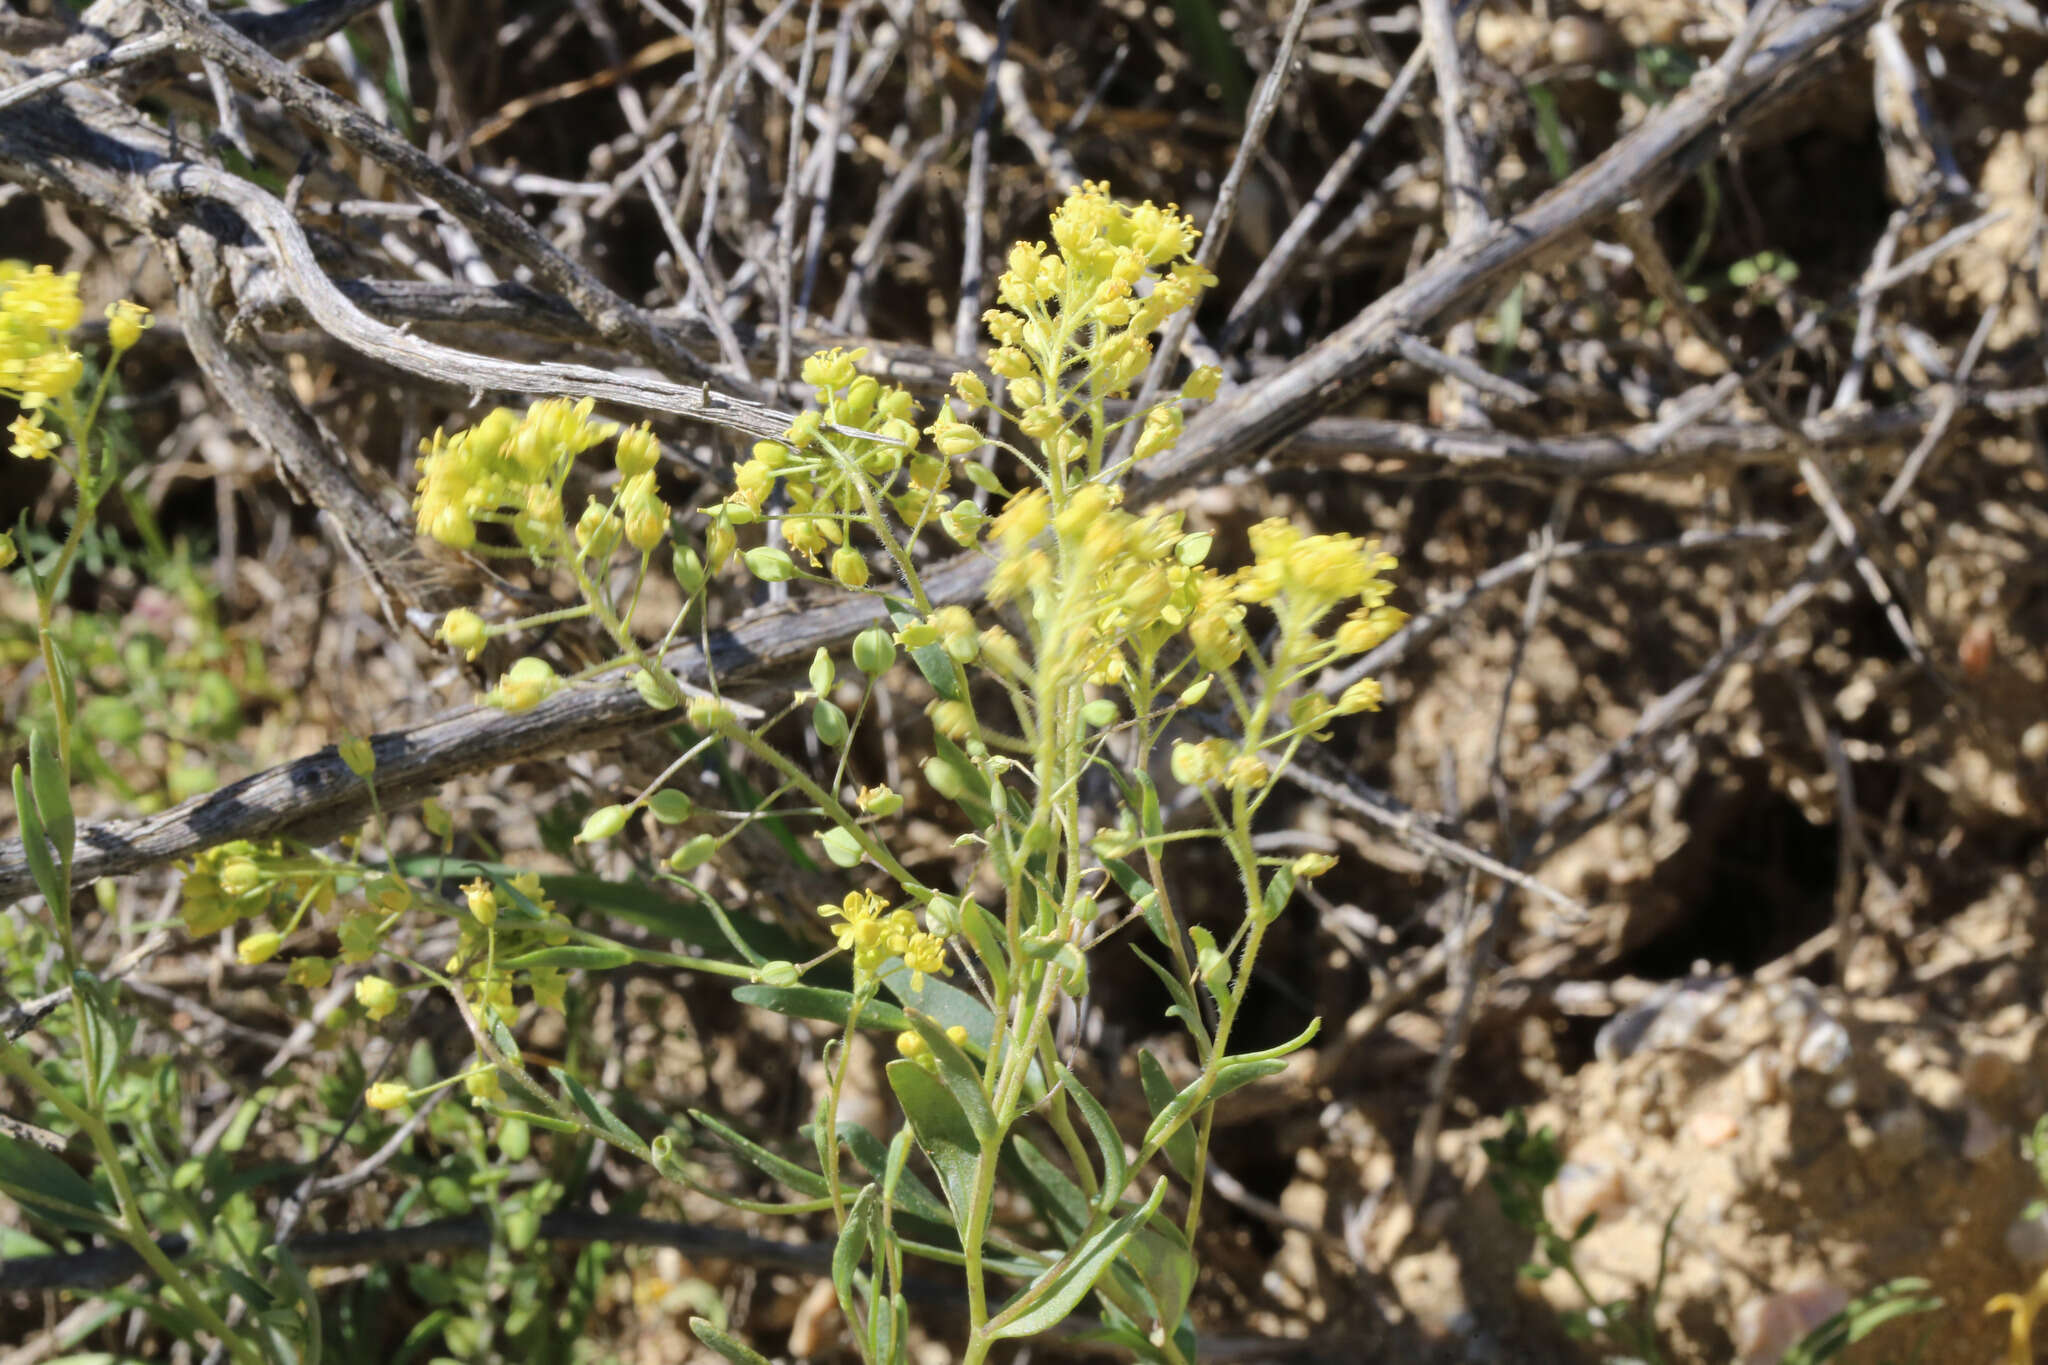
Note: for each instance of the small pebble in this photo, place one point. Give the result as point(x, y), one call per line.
point(1712, 1127)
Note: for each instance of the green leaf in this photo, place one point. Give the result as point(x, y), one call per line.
point(1286, 1049)
point(984, 932)
point(595, 1110)
point(589, 957)
point(52, 783)
point(948, 1004)
point(958, 1074)
point(942, 1130)
point(42, 1181)
point(1045, 1303)
point(899, 1188)
point(1279, 891)
point(1159, 1095)
point(105, 1029)
point(35, 846)
point(1861, 1317)
point(726, 1344)
point(1052, 1192)
point(1143, 895)
point(1184, 1007)
point(974, 799)
point(1160, 1254)
point(932, 660)
point(1115, 1170)
point(817, 1002)
point(853, 1240)
point(807, 1183)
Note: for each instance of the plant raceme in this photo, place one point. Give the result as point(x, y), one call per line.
point(1109, 655)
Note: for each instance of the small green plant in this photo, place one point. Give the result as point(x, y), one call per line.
point(1522, 1164)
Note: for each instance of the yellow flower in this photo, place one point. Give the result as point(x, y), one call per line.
point(465, 630)
point(32, 440)
point(377, 996)
point(126, 322)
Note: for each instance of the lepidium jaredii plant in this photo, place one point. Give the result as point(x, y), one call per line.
point(1104, 642)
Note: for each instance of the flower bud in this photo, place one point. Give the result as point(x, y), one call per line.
point(1363, 695)
point(387, 1095)
point(126, 322)
point(972, 391)
point(638, 451)
point(482, 899)
point(258, 948)
point(1313, 865)
point(646, 524)
point(464, 630)
point(377, 996)
point(7, 550)
point(850, 566)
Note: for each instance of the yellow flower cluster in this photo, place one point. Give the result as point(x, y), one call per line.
point(38, 308)
point(874, 933)
point(509, 469)
point(1108, 579)
point(1302, 578)
point(1103, 250)
point(832, 479)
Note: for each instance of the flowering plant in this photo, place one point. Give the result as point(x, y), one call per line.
point(1108, 655)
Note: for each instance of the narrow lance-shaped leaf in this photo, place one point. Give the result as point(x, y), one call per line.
point(1047, 1301)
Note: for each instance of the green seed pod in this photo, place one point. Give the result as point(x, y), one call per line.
point(873, 651)
point(822, 672)
point(944, 779)
point(841, 847)
point(830, 723)
point(779, 974)
point(515, 1139)
point(769, 564)
point(670, 806)
point(602, 823)
point(688, 568)
point(694, 853)
point(1100, 712)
